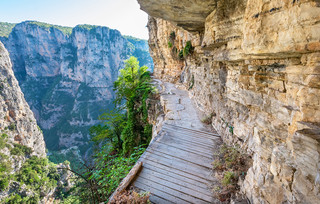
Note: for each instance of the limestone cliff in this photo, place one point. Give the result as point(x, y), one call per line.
point(16, 119)
point(20, 137)
point(255, 66)
point(67, 75)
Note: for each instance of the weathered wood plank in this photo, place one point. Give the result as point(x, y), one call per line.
point(187, 175)
point(195, 134)
point(183, 155)
point(180, 141)
point(199, 139)
point(191, 194)
point(190, 149)
point(159, 192)
point(176, 175)
point(179, 164)
point(175, 180)
point(171, 190)
point(214, 134)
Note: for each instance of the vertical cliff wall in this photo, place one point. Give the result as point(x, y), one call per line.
point(255, 67)
point(67, 75)
point(18, 127)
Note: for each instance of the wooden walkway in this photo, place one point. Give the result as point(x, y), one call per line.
point(177, 166)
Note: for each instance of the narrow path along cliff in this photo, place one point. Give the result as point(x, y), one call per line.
point(177, 165)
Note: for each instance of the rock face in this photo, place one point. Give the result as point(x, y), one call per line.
point(18, 127)
point(67, 75)
point(16, 119)
point(256, 68)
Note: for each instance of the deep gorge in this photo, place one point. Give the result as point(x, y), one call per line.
point(67, 75)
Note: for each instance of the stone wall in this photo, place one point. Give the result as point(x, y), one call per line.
point(256, 68)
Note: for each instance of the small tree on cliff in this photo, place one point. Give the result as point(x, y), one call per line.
point(132, 88)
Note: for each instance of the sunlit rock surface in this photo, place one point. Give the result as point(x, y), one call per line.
point(255, 68)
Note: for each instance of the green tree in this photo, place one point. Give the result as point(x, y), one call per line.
point(109, 132)
point(132, 88)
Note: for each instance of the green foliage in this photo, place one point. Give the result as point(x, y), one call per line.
point(111, 130)
point(63, 29)
point(4, 182)
point(120, 139)
point(188, 49)
point(132, 88)
point(70, 156)
point(20, 150)
point(12, 126)
point(38, 175)
point(113, 168)
point(3, 140)
point(5, 168)
point(86, 26)
point(228, 177)
point(170, 44)
point(229, 165)
point(132, 39)
point(172, 36)
point(6, 28)
point(180, 55)
point(191, 83)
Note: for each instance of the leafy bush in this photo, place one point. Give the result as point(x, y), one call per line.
point(20, 150)
point(39, 175)
point(227, 178)
point(3, 140)
point(170, 44)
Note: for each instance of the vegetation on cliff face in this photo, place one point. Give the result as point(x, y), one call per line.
point(6, 28)
point(119, 140)
point(64, 29)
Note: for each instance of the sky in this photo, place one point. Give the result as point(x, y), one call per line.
point(123, 15)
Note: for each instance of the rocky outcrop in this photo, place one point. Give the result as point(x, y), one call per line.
point(67, 75)
point(255, 68)
point(16, 119)
point(20, 137)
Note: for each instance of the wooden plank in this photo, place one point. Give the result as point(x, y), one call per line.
point(159, 193)
point(183, 155)
point(195, 182)
point(180, 165)
point(175, 161)
point(186, 144)
point(190, 140)
point(193, 130)
point(171, 189)
point(157, 199)
point(178, 187)
point(178, 140)
point(175, 180)
point(178, 172)
point(201, 140)
point(190, 149)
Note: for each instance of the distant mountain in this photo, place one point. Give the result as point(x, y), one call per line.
point(67, 74)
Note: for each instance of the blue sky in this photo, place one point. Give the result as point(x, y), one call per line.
point(123, 15)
